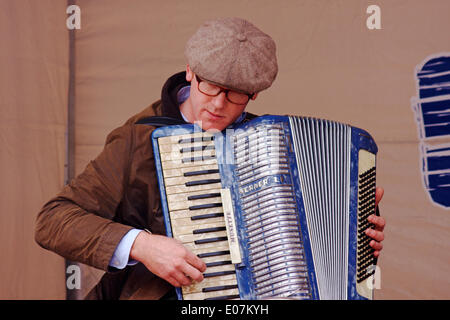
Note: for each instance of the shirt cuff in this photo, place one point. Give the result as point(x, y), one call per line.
point(121, 256)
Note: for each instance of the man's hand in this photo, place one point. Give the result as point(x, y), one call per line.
point(168, 259)
point(377, 234)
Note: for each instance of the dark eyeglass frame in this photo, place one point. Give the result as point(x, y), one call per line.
point(222, 90)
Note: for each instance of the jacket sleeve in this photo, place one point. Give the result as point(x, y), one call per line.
point(78, 223)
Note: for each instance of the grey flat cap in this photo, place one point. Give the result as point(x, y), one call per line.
point(233, 53)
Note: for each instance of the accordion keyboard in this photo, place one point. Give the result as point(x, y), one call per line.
point(192, 184)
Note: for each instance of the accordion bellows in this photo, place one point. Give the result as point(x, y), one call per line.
point(276, 207)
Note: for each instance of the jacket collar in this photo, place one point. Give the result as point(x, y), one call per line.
point(170, 106)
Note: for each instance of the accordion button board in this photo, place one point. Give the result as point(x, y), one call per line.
point(276, 207)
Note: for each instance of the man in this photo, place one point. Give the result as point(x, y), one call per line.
point(100, 217)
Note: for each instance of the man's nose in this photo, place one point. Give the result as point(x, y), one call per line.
point(220, 100)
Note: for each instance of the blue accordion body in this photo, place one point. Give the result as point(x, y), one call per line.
point(308, 208)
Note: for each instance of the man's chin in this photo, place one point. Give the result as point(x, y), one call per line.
point(212, 126)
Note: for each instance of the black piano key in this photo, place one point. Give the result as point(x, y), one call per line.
point(204, 196)
point(195, 159)
point(209, 240)
point(196, 139)
point(206, 206)
point(207, 216)
point(197, 148)
point(220, 288)
point(213, 254)
point(218, 273)
point(218, 263)
point(206, 230)
point(234, 296)
point(201, 182)
point(200, 172)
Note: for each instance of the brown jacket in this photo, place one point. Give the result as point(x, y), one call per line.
point(116, 192)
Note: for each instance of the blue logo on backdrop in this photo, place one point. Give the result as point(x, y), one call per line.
point(432, 111)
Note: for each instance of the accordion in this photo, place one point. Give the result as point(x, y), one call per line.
point(276, 207)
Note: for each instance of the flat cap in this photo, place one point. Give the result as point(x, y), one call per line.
point(233, 53)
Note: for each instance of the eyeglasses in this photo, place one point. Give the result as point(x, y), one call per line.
point(212, 90)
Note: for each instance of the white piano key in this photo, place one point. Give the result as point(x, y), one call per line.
point(182, 205)
point(205, 246)
point(176, 147)
point(187, 221)
point(184, 238)
point(175, 181)
point(177, 197)
point(184, 188)
point(177, 155)
point(174, 164)
point(222, 246)
point(205, 295)
point(215, 259)
point(176, 138)
point(210, 282)
point(181, 171)
point(189, 228)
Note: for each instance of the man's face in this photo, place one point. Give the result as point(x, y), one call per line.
point(213, 112)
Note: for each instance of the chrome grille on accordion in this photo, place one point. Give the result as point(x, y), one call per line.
point(276, 207)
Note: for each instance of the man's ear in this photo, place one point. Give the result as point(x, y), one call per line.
point(189, 74)
point(254, 96)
